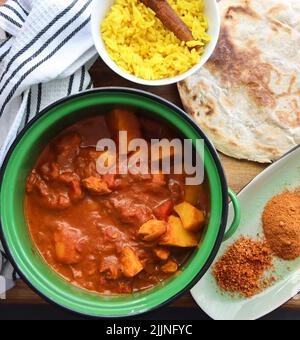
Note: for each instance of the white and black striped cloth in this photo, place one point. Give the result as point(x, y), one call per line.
point(46, 49)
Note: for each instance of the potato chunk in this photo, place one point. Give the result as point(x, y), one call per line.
point(196, 195)
point(96, 185)
point(192, 194)
point(177, 236)
point(170, 267)
point(162, 253)
point(192, 218)
point(152, 230)
point(123, 120)
point(130, 263)
point(67, 245)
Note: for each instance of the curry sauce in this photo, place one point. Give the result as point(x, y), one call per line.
point(112, 234)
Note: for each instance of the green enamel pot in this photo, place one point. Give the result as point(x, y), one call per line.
point(14, 232)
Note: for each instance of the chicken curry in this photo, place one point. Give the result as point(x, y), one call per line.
point(112, 233)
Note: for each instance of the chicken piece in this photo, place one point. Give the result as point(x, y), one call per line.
point(50, 171)
point(68, 146)
point(110, 267)
point(73, 181)
point(53, 174)
point(130, 211)
point(192, 218)
point(32, 181)
point(96, 185)
point(85, 162)
point(152, 230)
point(67, 142)
point(130, 263)
point(123, 120)
point(170, 267)
point(50, 198)
point(177, 236)
point(67, 245)
point(163, 211)
point(162, 253)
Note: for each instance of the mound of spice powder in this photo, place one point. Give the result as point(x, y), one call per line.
point(281, 223)
point(243, 267)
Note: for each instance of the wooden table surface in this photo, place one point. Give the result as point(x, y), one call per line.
point(239, 174)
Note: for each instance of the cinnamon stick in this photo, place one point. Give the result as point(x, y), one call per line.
point(170, 18)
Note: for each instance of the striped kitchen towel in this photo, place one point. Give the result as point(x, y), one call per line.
point(46, 50)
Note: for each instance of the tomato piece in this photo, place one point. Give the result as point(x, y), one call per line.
point(163, 211)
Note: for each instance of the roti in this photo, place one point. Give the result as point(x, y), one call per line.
point(247, 97)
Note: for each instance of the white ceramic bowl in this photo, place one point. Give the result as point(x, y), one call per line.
point(99, 11)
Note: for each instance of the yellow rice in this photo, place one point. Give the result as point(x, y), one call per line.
point(141, 45)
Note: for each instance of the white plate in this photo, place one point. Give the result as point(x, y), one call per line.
point(284, 174)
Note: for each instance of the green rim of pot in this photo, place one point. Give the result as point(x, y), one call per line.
point(15, 232)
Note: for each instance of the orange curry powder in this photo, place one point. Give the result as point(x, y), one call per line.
point(242, 267)
point(281, 222)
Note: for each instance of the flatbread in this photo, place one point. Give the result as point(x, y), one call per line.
point(247, 97)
